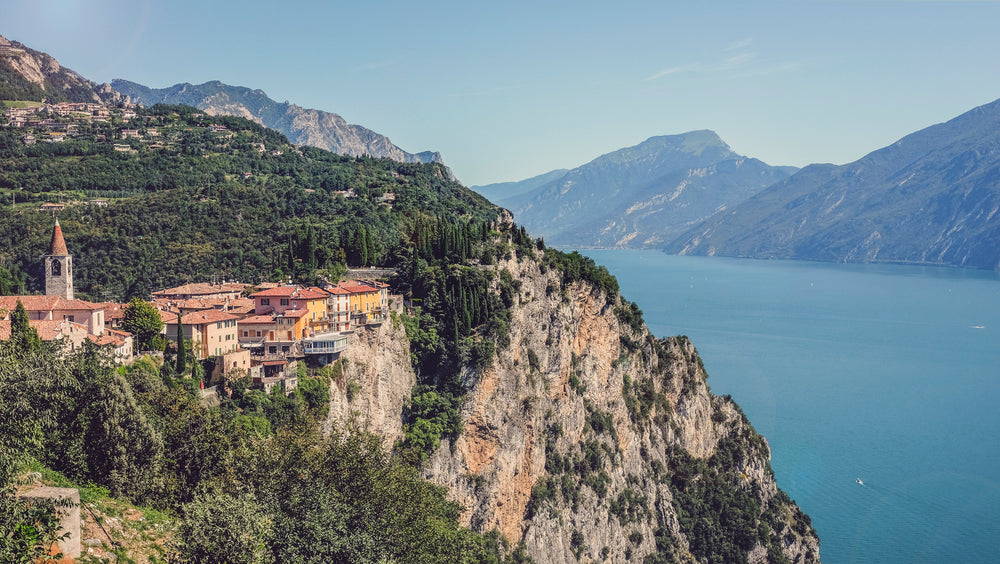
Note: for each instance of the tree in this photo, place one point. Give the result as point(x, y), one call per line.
point(181, 348)
point(143, 320)
point(23, 337)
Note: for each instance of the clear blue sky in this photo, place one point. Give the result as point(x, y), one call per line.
point(512, 89)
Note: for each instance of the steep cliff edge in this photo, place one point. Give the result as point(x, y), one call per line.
point(588, 439)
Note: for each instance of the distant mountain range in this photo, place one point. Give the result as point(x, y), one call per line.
point(301, 126)
point(933, 197)
point(26, 74)
point(639, 197)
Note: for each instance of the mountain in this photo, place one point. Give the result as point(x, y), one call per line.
point(301, 126)
point(930, 198)
point(501, 192)
point(643, 196)
point(26, 74)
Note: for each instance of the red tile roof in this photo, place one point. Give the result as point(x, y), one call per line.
point(58, 246)
point(198, 317)
point(257, 320)
point(45, 303)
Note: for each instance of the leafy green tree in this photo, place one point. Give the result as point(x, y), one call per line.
point(23, 337)
point(144, 322)
point(219, 528)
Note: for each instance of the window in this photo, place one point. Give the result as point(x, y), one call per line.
point(289, 335)
point(265, 301)
point(56, 268)
point(258, 333)
point(284, 301)
point(247, 333)
point(218, 325)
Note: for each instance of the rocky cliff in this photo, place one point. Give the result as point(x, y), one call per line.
point(26, 74)
point(302, 126)
point(590, 440)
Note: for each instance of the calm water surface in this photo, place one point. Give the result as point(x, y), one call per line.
point(887, 373)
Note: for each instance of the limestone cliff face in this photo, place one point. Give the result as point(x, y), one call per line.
point(590, 440)
point(56, 81)
point(375, 382)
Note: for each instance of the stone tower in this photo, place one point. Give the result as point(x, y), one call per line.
point(58, 267)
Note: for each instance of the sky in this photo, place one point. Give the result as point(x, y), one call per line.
point(508, 90)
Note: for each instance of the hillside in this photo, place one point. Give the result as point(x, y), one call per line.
point(26, 74)
point(643, 196)
point(220, 196)
point(930, 198)
point(524, 385)
point(302, 126)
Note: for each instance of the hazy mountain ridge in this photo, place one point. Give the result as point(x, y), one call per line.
point(931, 198)
point(500, 192)
point(302, 126)
point(645, 195)
point(27, 74)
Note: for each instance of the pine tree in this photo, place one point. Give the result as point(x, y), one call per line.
point(181, 348)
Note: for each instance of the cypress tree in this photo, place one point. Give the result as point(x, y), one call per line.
point(181, 348)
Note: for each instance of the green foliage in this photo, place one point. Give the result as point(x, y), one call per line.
point(431, 416)
point(27, 530)
point(219, 528)
point(575, 267)
point(144, 322)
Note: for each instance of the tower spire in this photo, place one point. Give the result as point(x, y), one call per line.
point(58, 246)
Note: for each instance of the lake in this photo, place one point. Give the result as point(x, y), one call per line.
point(890, 374)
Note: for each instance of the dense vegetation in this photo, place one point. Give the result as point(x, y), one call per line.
point(187, 212)
point(254, 478)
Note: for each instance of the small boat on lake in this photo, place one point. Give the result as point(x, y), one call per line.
point(859, 481)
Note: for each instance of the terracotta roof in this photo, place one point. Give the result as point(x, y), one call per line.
point(294, 313)
point(257, 320)
point(337, 291)
point(202, 288)
point(207, 316)
point(45, 303)
point(292, 292)
point(58, 246)
point(279, 292)
point(358, 288)
point(48, 329)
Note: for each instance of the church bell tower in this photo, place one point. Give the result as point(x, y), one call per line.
point(58, 267)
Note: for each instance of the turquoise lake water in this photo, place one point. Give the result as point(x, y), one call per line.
point(887, 373)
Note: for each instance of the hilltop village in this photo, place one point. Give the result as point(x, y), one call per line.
point(261, 330)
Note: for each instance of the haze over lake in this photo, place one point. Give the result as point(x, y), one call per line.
point(890, 374)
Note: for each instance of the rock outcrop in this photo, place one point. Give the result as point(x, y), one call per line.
point(27, 74)
point(588, 439)
point(302, 126)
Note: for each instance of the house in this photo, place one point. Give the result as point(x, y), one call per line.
point(202, 290)
point(50, 207)
point(365, 300)
point(73, 334)
point(283, 299)
point(211, 332)
point(338, 309)
point(56, 308)
point(121, 341)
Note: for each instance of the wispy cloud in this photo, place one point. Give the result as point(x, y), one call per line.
point(673, 70)
point(735, 59)
point(741, 44)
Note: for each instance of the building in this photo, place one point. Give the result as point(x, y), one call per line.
point(211, 332)
point(58, 267)
point(202, 290)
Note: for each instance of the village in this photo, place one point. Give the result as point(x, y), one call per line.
point(262, 331)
